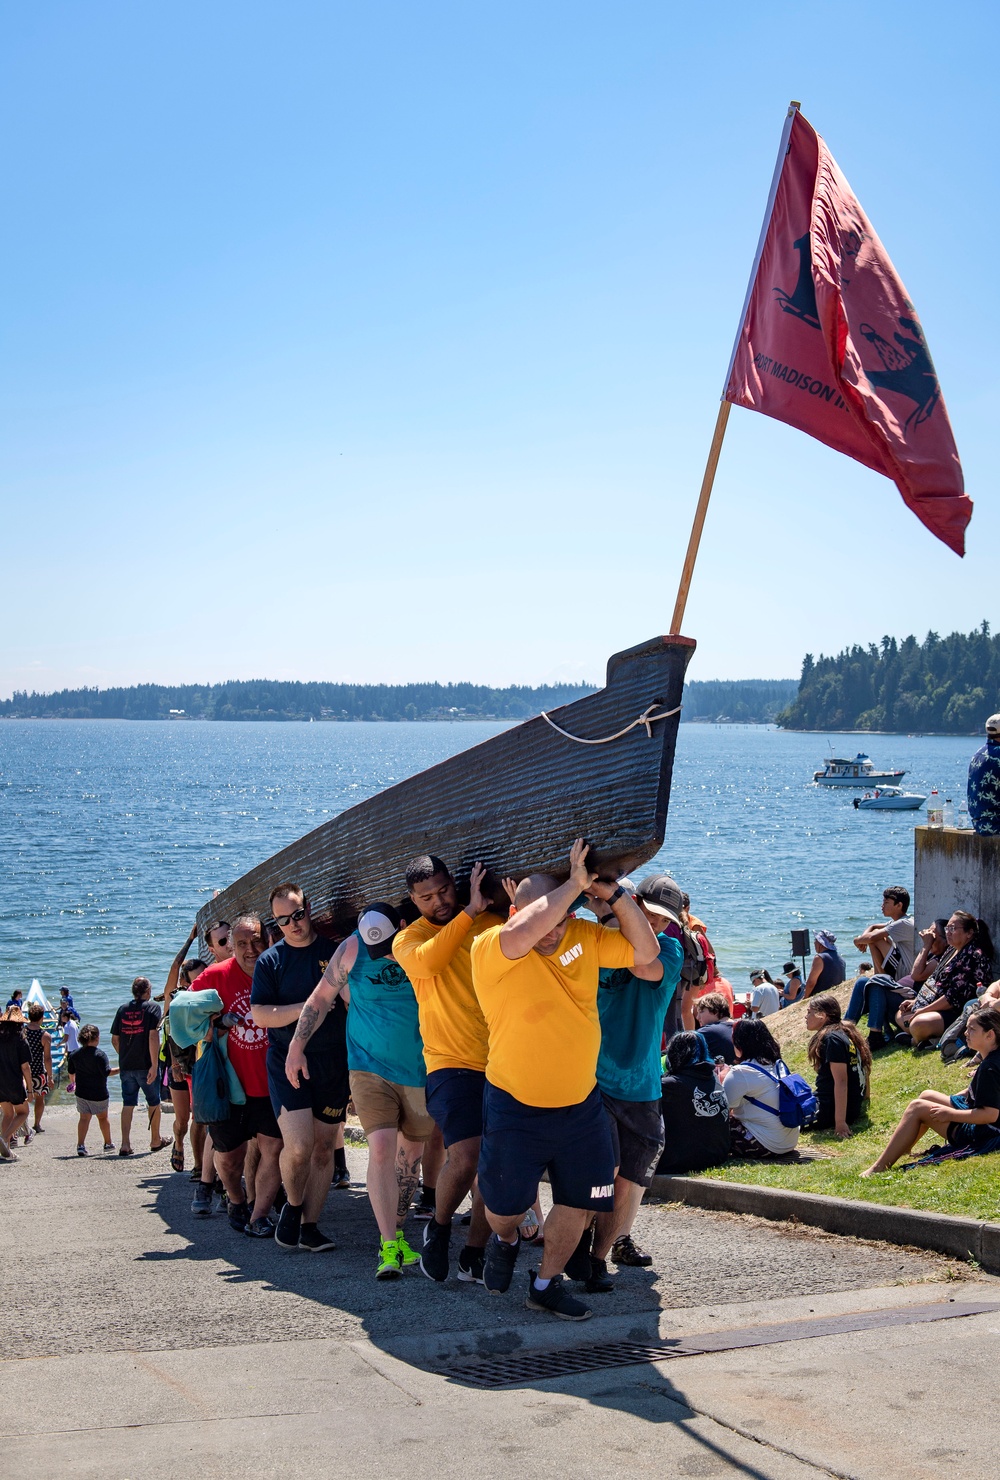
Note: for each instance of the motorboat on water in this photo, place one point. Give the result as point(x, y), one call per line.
point(856, 772)
point(889, 799)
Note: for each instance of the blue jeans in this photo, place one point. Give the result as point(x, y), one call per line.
point(883, 1004)
point(859, 996)
point(133, 1081)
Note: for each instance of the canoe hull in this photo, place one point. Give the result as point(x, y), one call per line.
point(516, 801)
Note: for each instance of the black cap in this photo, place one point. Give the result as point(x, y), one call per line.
point(663, 896)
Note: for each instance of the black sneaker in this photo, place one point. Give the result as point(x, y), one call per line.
point(201, 1205)
point(470, 1265)
point(624, 1251)
point(578, 1263)
point(557, 1300)
point(434, 1255)
point(313, 1241)
point(286, 1235)
point(600, 1282)
point(498, 1264)
point(239, 1217)
point(341, 1179)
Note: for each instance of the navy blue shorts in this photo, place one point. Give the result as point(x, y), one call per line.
point(326, 1091)
point(520, 1142)
point(455, 1103)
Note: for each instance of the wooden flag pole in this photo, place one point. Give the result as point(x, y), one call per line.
point(723, 417)
point(699, 518)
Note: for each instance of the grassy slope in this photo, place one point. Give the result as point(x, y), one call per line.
point(968, 1188)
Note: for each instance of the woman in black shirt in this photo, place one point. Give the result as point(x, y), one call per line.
point(842, 1060)
point(964, 1120)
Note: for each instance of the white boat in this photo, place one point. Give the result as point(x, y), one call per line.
point(856, 772)
point(889, 799)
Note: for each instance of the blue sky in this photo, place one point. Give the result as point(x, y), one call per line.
point(385, 342)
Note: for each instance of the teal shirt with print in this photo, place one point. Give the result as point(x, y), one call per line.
point(383, 1035)
point(632, 1014)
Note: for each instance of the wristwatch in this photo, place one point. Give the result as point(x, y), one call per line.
point(617, 895)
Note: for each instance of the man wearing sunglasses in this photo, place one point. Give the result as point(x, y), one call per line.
point(536, 979)
point(309, 1113)
point(218, 938)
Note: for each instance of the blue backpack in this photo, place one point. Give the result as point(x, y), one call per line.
point(797, 1102)
point(210, 1086)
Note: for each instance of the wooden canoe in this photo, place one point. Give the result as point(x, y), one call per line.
point(517, 801)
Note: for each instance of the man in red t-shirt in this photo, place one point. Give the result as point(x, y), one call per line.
point(246, 1045)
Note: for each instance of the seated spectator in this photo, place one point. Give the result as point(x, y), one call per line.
point(752, 1092)
point(885, 997)
point(952, 1042)
point(715, 1026)
point(765, 999)
point(954, 984)
point(828, 969)
point(967, 1120)
point(695, 1110)
point(842, 1061)
point(794, 985)
point(892, 946)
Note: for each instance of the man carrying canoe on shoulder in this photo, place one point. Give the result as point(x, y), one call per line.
point(434, 953)
point(536, 978)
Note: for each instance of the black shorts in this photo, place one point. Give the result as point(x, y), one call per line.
point(254, 1118)
point(637, 1136)
point(455, 1103)
point(326, 1091)
point(520, 1142)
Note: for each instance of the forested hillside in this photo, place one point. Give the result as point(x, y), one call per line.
point(743, 700)
point(944, 685)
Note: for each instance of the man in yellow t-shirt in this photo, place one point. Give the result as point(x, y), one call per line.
point(434, 953)
point(536, 980)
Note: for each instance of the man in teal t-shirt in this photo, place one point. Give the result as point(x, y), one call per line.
point(385, 1056)
point(632, 1015)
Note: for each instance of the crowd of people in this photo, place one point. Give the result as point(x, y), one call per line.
point(488, 1046)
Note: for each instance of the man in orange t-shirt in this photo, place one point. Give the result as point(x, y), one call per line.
point(434, 953)
point(536, 978)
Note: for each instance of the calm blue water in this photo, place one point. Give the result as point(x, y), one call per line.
point(112, 834)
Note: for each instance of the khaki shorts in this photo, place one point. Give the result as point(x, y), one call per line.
point(384, 1106)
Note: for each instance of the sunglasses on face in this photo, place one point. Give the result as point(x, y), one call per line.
point(222, 941)
point(292, 919)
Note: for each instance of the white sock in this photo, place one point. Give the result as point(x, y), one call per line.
point(541, 1284)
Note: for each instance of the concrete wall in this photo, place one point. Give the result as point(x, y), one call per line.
point(956, 869)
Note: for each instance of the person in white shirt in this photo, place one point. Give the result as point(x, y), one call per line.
point(755, 1129)
point(764, 995)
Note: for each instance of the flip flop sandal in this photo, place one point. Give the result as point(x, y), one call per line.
point(161, 1146)
point(126, 1151)
point(177, 1158)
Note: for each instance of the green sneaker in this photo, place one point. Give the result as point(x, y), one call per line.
point(390, 1260)
point(407, 1255)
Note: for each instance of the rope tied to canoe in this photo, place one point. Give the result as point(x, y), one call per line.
point(647, 718)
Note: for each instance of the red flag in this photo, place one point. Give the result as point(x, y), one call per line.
point(831, 343)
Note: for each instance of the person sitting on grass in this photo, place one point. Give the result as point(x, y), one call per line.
point(842, 1060)
point(695, 1109)
point(794, 985)
point(955, 983)
point(828, 969)
point(752, 1092)
point(715, 1026)
point(966, 1120)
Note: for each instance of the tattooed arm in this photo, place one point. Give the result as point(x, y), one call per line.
point(331, 985)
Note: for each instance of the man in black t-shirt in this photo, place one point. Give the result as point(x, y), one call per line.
point(715, 1026)
point(309, 1113)
point(135, 1034)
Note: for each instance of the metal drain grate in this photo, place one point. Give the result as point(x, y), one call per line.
point(537, 1366)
